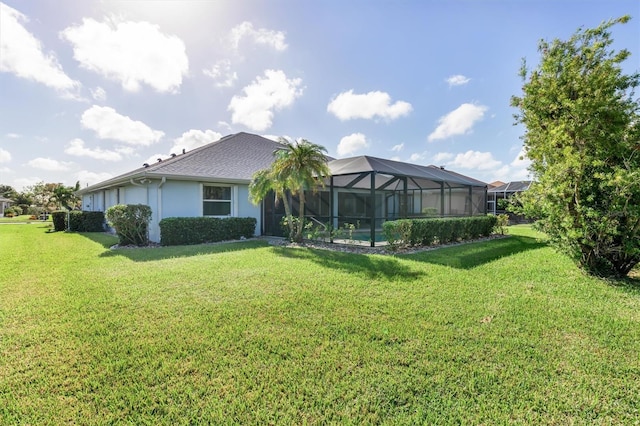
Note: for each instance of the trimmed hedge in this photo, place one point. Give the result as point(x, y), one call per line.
point(78, 221)
point(59, 218)
point(424, 232)
point(86, 221)
point(197, 230)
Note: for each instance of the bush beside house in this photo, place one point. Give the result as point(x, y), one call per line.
point(78, 221)
point(198, 230)
point(131, 223)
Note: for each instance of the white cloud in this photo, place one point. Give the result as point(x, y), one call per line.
point(22, 183)
point(457, 80)
point(276, 138)
point(261, 98)
point(125, 150)
point(518, 168)
point(485, 165)
point(130, 52)
point(347, 106)
point(49, 164)
point(193, 139)
point(222, 74)
point(76, 147)
point(108, 124)
point(398, 148)
point(458, 122)
point(224, 125)
point(89, 178)
point(521, 160)
point(5, 156)
point(352, 143)
point(443, 157)
point(22, 54)
point(475, 160)
point(13, 135)
point(99, 94)
point(416, 157)
point(274, 39)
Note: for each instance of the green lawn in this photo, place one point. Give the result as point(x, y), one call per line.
point(505, 331)
point(21, 219)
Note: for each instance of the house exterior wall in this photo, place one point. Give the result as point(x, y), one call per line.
point(171, 198)
point(4, 205)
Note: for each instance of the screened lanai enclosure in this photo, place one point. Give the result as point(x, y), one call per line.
point(364, 192)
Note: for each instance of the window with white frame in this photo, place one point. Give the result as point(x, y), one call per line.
point(216, 200)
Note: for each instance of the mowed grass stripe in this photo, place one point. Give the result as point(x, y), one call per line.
point(504, 331)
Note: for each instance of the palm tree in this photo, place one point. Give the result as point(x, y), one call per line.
point(262, 183)
point(296, 168)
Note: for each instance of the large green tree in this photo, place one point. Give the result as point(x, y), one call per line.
point(583, 139)
point(53, 195)
point(295, 169)
point(65, 197)
point(7, 191)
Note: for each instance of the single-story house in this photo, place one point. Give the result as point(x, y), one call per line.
point(213, 180)
point(4, 203)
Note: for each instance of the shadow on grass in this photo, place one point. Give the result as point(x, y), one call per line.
point(629, 284)
point(148, 254)
point(471, 255)
point(369, 266)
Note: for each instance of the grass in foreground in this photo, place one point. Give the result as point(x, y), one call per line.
point(505, 331)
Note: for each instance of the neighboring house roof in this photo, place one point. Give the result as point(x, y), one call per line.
point(516, 186)
point(233, 158)
point(5, 200)
point(364, 164)
point(496, 184)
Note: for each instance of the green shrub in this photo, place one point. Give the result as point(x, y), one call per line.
point(198, 230)
point(59, 218)
point(75, 221)
point(93, 221)
point(34, 211)
point(398, 232)
point(424, 232)
point(86, 221)
point(502, 221)
point(131, 222)
point(430, 211)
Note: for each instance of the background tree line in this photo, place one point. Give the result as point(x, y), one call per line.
point(42, 197)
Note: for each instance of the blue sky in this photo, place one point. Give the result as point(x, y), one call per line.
point(95, 88)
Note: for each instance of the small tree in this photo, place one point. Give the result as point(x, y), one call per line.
point(264, 182)
point(298, 167)
point(65, 197)
point(583, 139)
point(131, 222)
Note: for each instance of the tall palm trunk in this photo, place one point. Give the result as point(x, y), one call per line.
point(298, 237)
point(289, 215)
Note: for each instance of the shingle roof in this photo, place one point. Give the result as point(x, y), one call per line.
point(516, 186)
point(235, 158)
point(232, 158)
